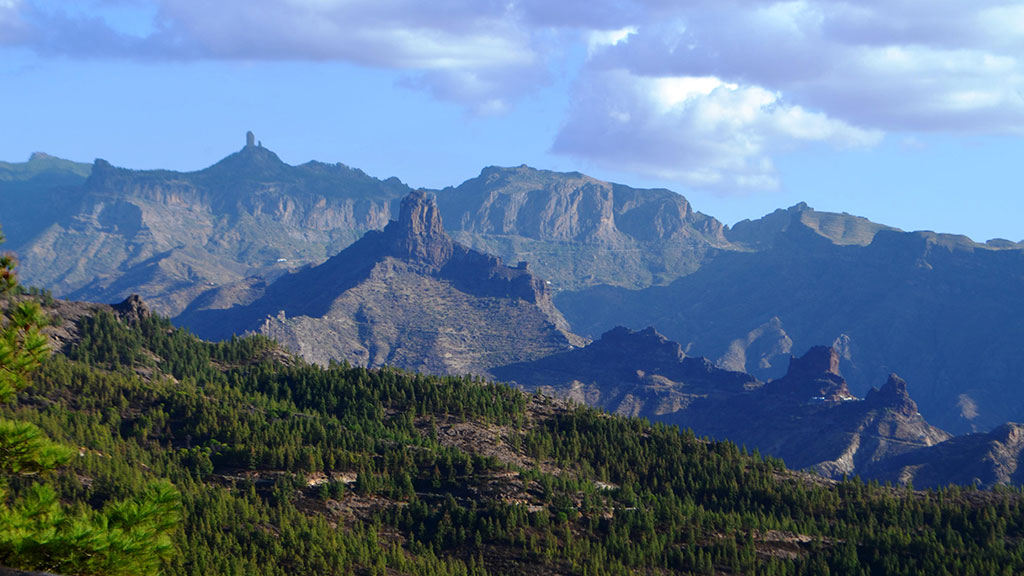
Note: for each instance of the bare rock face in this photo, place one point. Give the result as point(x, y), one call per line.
point(579, 231)
point(813, 376)
point(418, 233)
point(132, 310)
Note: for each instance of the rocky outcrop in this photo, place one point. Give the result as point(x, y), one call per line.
point(813, 376)
point(418, 235)
point(406, 296)
point(132, 310)
point(810, 419)
point(893, 396)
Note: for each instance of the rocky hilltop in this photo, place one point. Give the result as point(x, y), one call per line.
point(940, 310)
point(579, 231)
point(407, 296)
point(808, 417)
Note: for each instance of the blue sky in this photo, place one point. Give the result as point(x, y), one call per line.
point(910, 113)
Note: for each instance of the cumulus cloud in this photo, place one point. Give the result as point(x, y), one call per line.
point(896, 65)
point(706, 93)
point(699, 131)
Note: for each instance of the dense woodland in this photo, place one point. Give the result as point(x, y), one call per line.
point(287, 468)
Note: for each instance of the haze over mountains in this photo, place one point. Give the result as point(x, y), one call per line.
point(306, 254)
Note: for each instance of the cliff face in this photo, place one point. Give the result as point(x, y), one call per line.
point(407, 296)
point(578, 231)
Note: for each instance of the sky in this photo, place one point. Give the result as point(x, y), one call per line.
point(910, 113)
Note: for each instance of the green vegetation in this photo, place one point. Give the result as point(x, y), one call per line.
point(36, 531)
point(287, 468)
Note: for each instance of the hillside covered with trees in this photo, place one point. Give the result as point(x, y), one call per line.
point(288, 468)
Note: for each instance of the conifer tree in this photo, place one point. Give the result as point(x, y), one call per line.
point(36, 532)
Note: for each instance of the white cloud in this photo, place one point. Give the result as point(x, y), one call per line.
point(699, 131)
point(598, 39)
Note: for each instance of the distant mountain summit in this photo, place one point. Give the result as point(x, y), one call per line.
point(407, 296)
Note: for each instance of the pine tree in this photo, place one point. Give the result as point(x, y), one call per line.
point(132, 537)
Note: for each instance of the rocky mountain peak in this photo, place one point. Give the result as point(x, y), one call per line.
point(132, 310)
point(418, 234)
point(253, 161)
point(893, 395)
point(819, 360)
point(40, 157)
point(814, 376)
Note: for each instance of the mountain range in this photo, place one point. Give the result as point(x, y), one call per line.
point(941, 310)
point(311, 256)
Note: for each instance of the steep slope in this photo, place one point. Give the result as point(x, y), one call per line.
point(941, 310)
point(984, 459)
point(407, 296)
point(808, 418)
point(170, 236)
point(579, 231)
